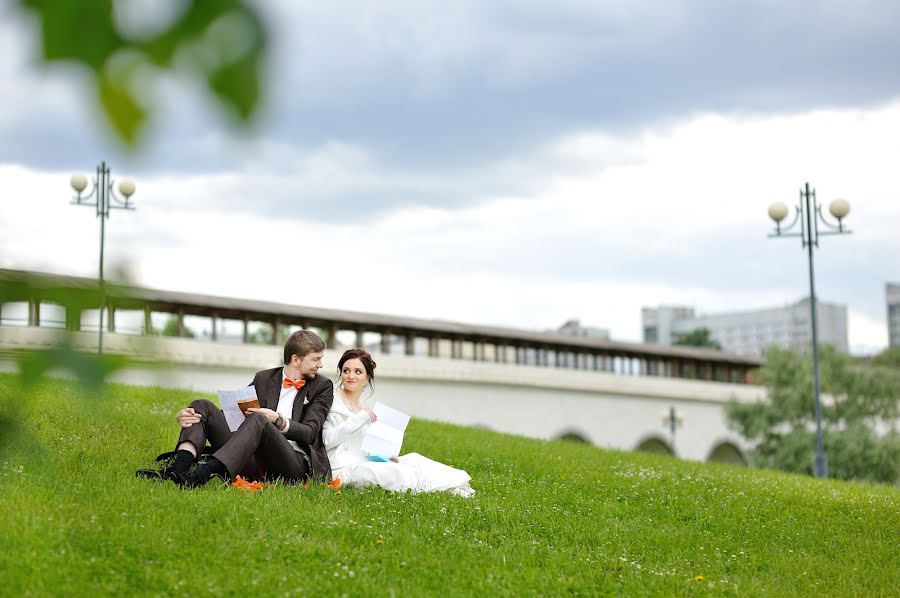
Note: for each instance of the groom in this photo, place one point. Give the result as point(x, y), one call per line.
point(284, 434)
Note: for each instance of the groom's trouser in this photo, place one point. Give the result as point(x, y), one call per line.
point(256, 436)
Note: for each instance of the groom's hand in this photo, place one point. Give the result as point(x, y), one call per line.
point(187, 417)
point(270, 415)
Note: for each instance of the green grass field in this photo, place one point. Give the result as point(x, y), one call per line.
point(549, 518)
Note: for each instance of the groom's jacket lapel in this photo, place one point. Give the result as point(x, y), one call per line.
point(272, 392)
point(302, 394)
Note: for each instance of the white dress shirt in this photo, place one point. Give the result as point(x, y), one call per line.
point(286, 408)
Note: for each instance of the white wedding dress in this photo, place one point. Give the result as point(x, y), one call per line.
point(342, 435)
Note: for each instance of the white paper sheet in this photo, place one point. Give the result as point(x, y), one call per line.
point(228, 400)
point(385, 437)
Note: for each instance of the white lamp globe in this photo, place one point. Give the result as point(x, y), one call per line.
point(777, 211)
point(839, 208)
point(79, 182)
point(127, 188)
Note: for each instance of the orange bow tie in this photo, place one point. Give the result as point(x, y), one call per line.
point(298, 384)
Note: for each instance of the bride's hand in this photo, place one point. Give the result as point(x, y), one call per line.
point(372, 417)
point(395, 459)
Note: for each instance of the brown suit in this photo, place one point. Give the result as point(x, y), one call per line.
point(311, 407)
point(257, 437)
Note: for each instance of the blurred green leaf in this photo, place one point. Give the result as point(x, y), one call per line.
point(221, 41)
point(122, 109)
point(33, 366)
point(90, 369)
point(237, 86)
point(79, 31)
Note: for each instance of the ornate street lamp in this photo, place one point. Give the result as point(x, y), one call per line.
point(672, 418)
point(103, 197)
point(808, 218)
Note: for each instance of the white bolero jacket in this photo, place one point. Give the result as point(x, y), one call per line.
point(342, 434)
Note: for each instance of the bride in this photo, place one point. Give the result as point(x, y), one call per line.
point(343, 432)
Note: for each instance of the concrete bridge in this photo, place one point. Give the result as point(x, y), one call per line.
point(620, 410)
point(48, 300)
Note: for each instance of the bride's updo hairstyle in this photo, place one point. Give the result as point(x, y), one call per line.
point(365, 357)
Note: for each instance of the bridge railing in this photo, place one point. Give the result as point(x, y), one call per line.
point(34, 299)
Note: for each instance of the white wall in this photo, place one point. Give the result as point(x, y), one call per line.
point(609, 410)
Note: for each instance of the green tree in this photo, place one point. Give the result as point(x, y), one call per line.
point(698, 338)
point(859, 415)
point(890, 357)
point(171, 329)
point(261, 336)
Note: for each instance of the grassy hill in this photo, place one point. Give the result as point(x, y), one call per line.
point(548, 518)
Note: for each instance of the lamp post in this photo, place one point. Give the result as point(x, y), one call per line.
point(671, 418)
point(808, 218)
point(103, 197)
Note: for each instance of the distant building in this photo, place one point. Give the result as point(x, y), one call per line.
point(751, 332)
point(892, 299)
point(573, 327)
point(659, 322)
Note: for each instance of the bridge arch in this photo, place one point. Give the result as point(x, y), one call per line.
point(654, 444)
point(480, 426)
point(727, 452)
point(573, 435)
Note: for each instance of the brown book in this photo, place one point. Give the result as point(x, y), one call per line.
point(245, 404)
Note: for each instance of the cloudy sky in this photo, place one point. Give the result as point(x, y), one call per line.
point(508, 163)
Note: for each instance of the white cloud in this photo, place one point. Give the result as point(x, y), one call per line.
point(508, 162)
point(867, 335)
point(592, 225)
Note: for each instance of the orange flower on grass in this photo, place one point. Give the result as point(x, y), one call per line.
point(334, 484)
point(242, 484)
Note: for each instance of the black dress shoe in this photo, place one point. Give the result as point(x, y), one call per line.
point(150, 474)
point(177, 477)
point(196, 478)
point(161, 473)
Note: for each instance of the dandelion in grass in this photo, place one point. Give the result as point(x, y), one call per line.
point(699, 578)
